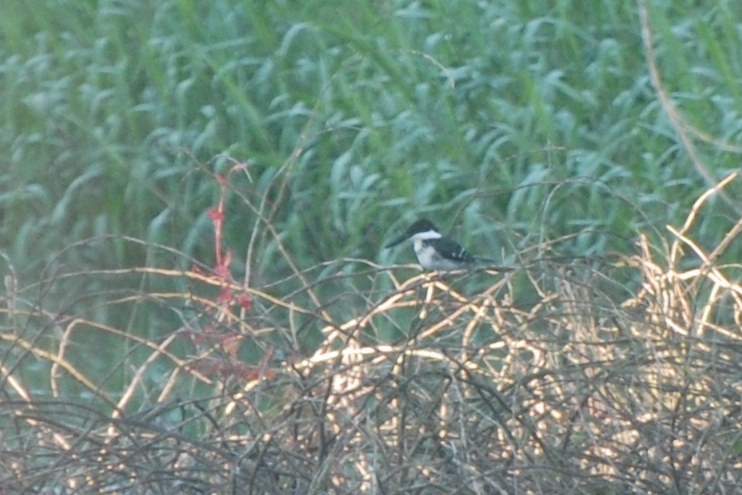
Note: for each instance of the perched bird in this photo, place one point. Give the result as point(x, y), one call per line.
point(435, 252)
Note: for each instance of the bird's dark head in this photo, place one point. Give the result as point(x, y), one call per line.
point(419, 227)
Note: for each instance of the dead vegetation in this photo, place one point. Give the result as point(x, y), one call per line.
point(596, 377)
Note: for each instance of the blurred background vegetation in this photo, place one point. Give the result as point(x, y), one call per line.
point(522, 127)
point(503, 121)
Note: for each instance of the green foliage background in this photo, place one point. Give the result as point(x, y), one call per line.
point(507, 122)
point(527, 128)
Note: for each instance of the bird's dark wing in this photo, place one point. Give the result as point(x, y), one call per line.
point(451, 250)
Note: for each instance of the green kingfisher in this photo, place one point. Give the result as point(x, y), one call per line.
point(435, 252)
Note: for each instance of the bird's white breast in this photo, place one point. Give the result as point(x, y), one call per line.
point(430, 259)
point(426, 255)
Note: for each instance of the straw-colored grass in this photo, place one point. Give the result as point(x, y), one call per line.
point(553, 378)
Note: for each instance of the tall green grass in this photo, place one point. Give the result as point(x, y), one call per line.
point(501, 120)
point(194, 197)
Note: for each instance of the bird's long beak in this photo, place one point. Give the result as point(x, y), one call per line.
point(398, 240)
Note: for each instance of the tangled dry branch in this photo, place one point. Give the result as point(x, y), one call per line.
point(618, 376)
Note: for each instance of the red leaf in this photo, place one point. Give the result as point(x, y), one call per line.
point(216, 215)
point(225, 295)
point(244, 301)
